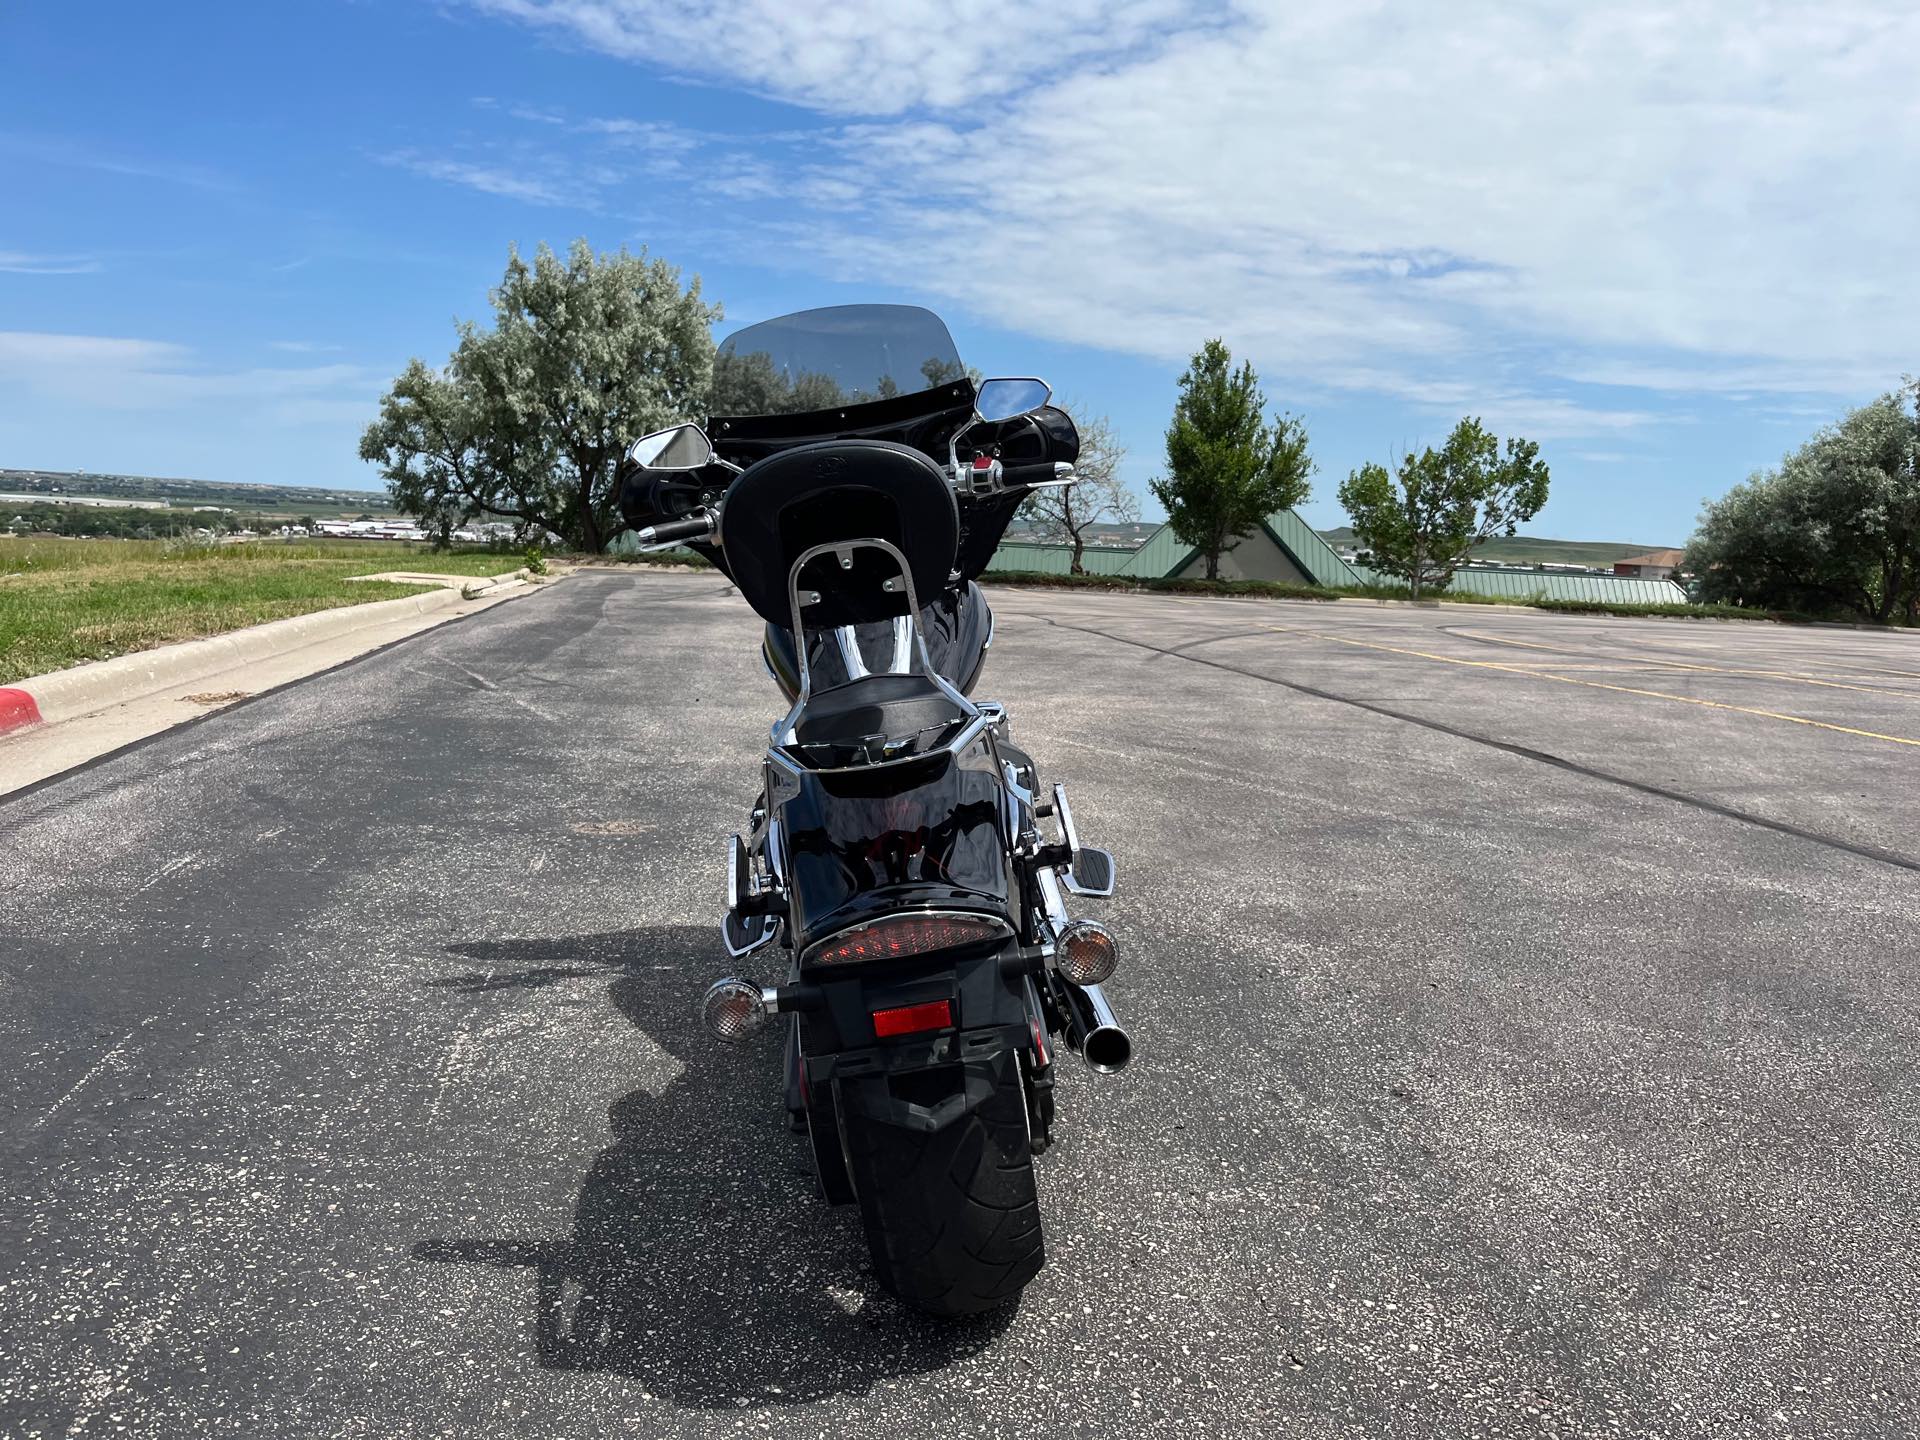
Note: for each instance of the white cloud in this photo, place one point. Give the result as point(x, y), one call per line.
point(492, 179)
point(23, 353)
point(1718, 198)
point(15, 262)
point(871, 59)
point(114, 373)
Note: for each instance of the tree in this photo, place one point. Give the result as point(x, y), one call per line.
point(1447, 502)
point(1227, 468)
point(528, 420)
point(1836, 528)
point(1064, 514)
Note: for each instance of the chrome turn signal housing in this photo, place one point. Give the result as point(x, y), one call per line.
point(1084, 953)
point(735, 1009)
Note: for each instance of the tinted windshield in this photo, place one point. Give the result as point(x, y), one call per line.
point(842, 355)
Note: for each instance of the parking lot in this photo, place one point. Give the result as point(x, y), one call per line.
point(1525, 1015)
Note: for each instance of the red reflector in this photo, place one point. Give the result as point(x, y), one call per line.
point(902, 935)
point(912, 1019)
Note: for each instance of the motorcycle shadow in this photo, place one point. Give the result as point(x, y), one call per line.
point(702, 1262)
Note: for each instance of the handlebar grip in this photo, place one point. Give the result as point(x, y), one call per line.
point(1037, 473)
point(696, 528)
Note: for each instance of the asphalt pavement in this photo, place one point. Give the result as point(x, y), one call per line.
point(1524, 1012)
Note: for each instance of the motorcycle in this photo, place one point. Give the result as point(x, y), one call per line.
point(853, 483)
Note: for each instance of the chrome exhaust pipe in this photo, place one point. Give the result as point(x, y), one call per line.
point(1092, 1030)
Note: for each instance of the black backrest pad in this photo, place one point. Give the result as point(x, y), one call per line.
point(782, 506)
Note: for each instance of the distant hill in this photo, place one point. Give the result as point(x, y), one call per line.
point(1533, 549)
point(268, 501)
point(1127, 537)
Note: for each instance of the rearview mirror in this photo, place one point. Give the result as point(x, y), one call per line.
point(1008, 398)
point(684, 447)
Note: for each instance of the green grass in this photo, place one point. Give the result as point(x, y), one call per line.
point(1678, 612)
point(63, 602)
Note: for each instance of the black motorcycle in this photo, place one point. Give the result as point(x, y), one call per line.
point(852, 483)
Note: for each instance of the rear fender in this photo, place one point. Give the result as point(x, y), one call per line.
point(983, 996)
point(968, 1084)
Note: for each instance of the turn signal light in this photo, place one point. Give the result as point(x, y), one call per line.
point(1085, 953)
point(900, 936)
point(734, 1009)
point(912, 1019)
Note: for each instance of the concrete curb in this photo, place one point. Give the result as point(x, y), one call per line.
point(84, 689)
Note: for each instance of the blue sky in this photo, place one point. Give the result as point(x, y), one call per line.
point(1666, 245)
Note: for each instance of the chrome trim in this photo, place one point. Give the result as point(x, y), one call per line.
point(785, 779)
point(902, 643)
point(784, 732)
point(1091, 1025)
point(1051, 900)
point(1074, 887)
point(647, 545)
point(848, 643)
point(733, 982)
point(633, 456)
point(776, 855)
point(1084, 927)
point(735, 863)
point(1006, 928)
point(769, 928)
point(1064, 814)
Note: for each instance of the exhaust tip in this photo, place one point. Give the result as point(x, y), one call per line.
point(1107, 1049)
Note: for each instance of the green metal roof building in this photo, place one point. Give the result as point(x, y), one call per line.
point(1286, 548)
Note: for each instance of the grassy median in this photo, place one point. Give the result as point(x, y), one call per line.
point(63, 601)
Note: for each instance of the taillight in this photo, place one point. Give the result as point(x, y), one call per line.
point(912, 1019)
point(898, 937)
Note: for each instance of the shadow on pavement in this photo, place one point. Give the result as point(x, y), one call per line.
point(702, 1262)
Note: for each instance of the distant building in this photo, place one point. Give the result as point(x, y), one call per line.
point(1284, 547)
point(1654, 565)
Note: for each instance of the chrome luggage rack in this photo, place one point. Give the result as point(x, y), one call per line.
point(973, 720)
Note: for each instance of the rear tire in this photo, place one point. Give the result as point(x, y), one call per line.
point(952, 1216)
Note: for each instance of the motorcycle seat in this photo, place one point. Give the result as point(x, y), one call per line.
point(876, 717)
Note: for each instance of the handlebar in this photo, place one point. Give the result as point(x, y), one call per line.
point(672, 532)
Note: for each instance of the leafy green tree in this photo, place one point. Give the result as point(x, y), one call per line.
point(528, 420)
point(1227, 468)
point(1835, 528)
point(1445, 502)
point(1066, 514)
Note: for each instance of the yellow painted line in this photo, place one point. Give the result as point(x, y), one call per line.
point(1713, 669)
point(1597, 685)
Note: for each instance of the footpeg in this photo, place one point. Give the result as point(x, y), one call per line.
point(744, 934)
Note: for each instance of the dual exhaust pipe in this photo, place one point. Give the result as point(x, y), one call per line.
point(1092, 1032)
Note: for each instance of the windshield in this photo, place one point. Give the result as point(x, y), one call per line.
point(842, 355)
